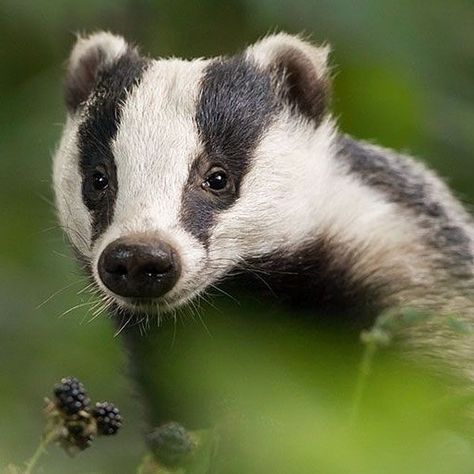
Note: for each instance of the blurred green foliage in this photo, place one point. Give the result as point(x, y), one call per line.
point(402, 75)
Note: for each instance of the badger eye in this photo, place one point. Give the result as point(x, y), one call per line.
point(100, 181)
point(216, 181)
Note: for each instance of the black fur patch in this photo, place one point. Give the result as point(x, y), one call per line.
point(315, 280)
point(236, 105)
point(98, 130)
point(402, 184)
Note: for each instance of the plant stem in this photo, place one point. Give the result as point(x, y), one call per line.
point(45, 441)
point(363, 375)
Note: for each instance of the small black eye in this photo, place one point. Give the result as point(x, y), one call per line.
point(100, 181)
point(216, 181)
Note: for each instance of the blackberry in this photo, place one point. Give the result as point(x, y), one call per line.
point(108, 418)
point(71, 396)
point(170, 443)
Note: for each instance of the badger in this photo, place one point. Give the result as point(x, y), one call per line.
point(176, 176)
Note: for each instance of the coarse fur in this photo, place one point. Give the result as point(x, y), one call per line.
point(314, 218)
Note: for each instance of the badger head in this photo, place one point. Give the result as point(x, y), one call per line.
point(172, 174)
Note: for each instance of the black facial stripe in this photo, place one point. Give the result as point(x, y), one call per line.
point(236, 104)
point(100, 128)
point(404, 185)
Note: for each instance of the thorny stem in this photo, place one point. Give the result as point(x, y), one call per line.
point(47, 439)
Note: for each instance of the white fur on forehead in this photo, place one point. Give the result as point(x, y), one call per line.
point(271, 48)
point(156, 143)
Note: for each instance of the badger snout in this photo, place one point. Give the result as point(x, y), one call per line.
point(139, 266)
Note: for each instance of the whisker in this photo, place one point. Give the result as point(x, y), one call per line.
point(88, 287)
point(208, 301)
point(98, 310)
point(45, 199)
point(263, 281)
point(94, 307)
point(173, 340)
point(123, 326)
point(77, 306)
point(206, 328)
point(59, 254)
point(56, 293)
point(220, 290)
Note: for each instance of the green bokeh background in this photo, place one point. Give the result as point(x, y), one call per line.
point(403, 76)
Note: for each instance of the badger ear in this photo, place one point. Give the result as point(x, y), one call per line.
point(89, 56)
point(300, 70)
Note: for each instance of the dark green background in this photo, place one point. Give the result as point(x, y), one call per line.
point(403, 76)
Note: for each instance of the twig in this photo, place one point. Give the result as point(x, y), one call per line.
point(46, 440)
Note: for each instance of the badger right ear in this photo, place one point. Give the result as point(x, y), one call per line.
point(89, 56)
point(301, 72)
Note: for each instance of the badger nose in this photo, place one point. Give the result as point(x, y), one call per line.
point(139, 266)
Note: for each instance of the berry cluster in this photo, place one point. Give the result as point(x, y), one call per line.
point(71, 396)
point(108, 418)
point(75, 420)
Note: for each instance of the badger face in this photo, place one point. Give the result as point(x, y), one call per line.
point(172, 174)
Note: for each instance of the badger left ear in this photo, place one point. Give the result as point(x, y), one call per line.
point(300, 71)
point(89, 56)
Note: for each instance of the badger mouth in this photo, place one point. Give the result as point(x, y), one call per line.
point(151, 306)
point(181, 296)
